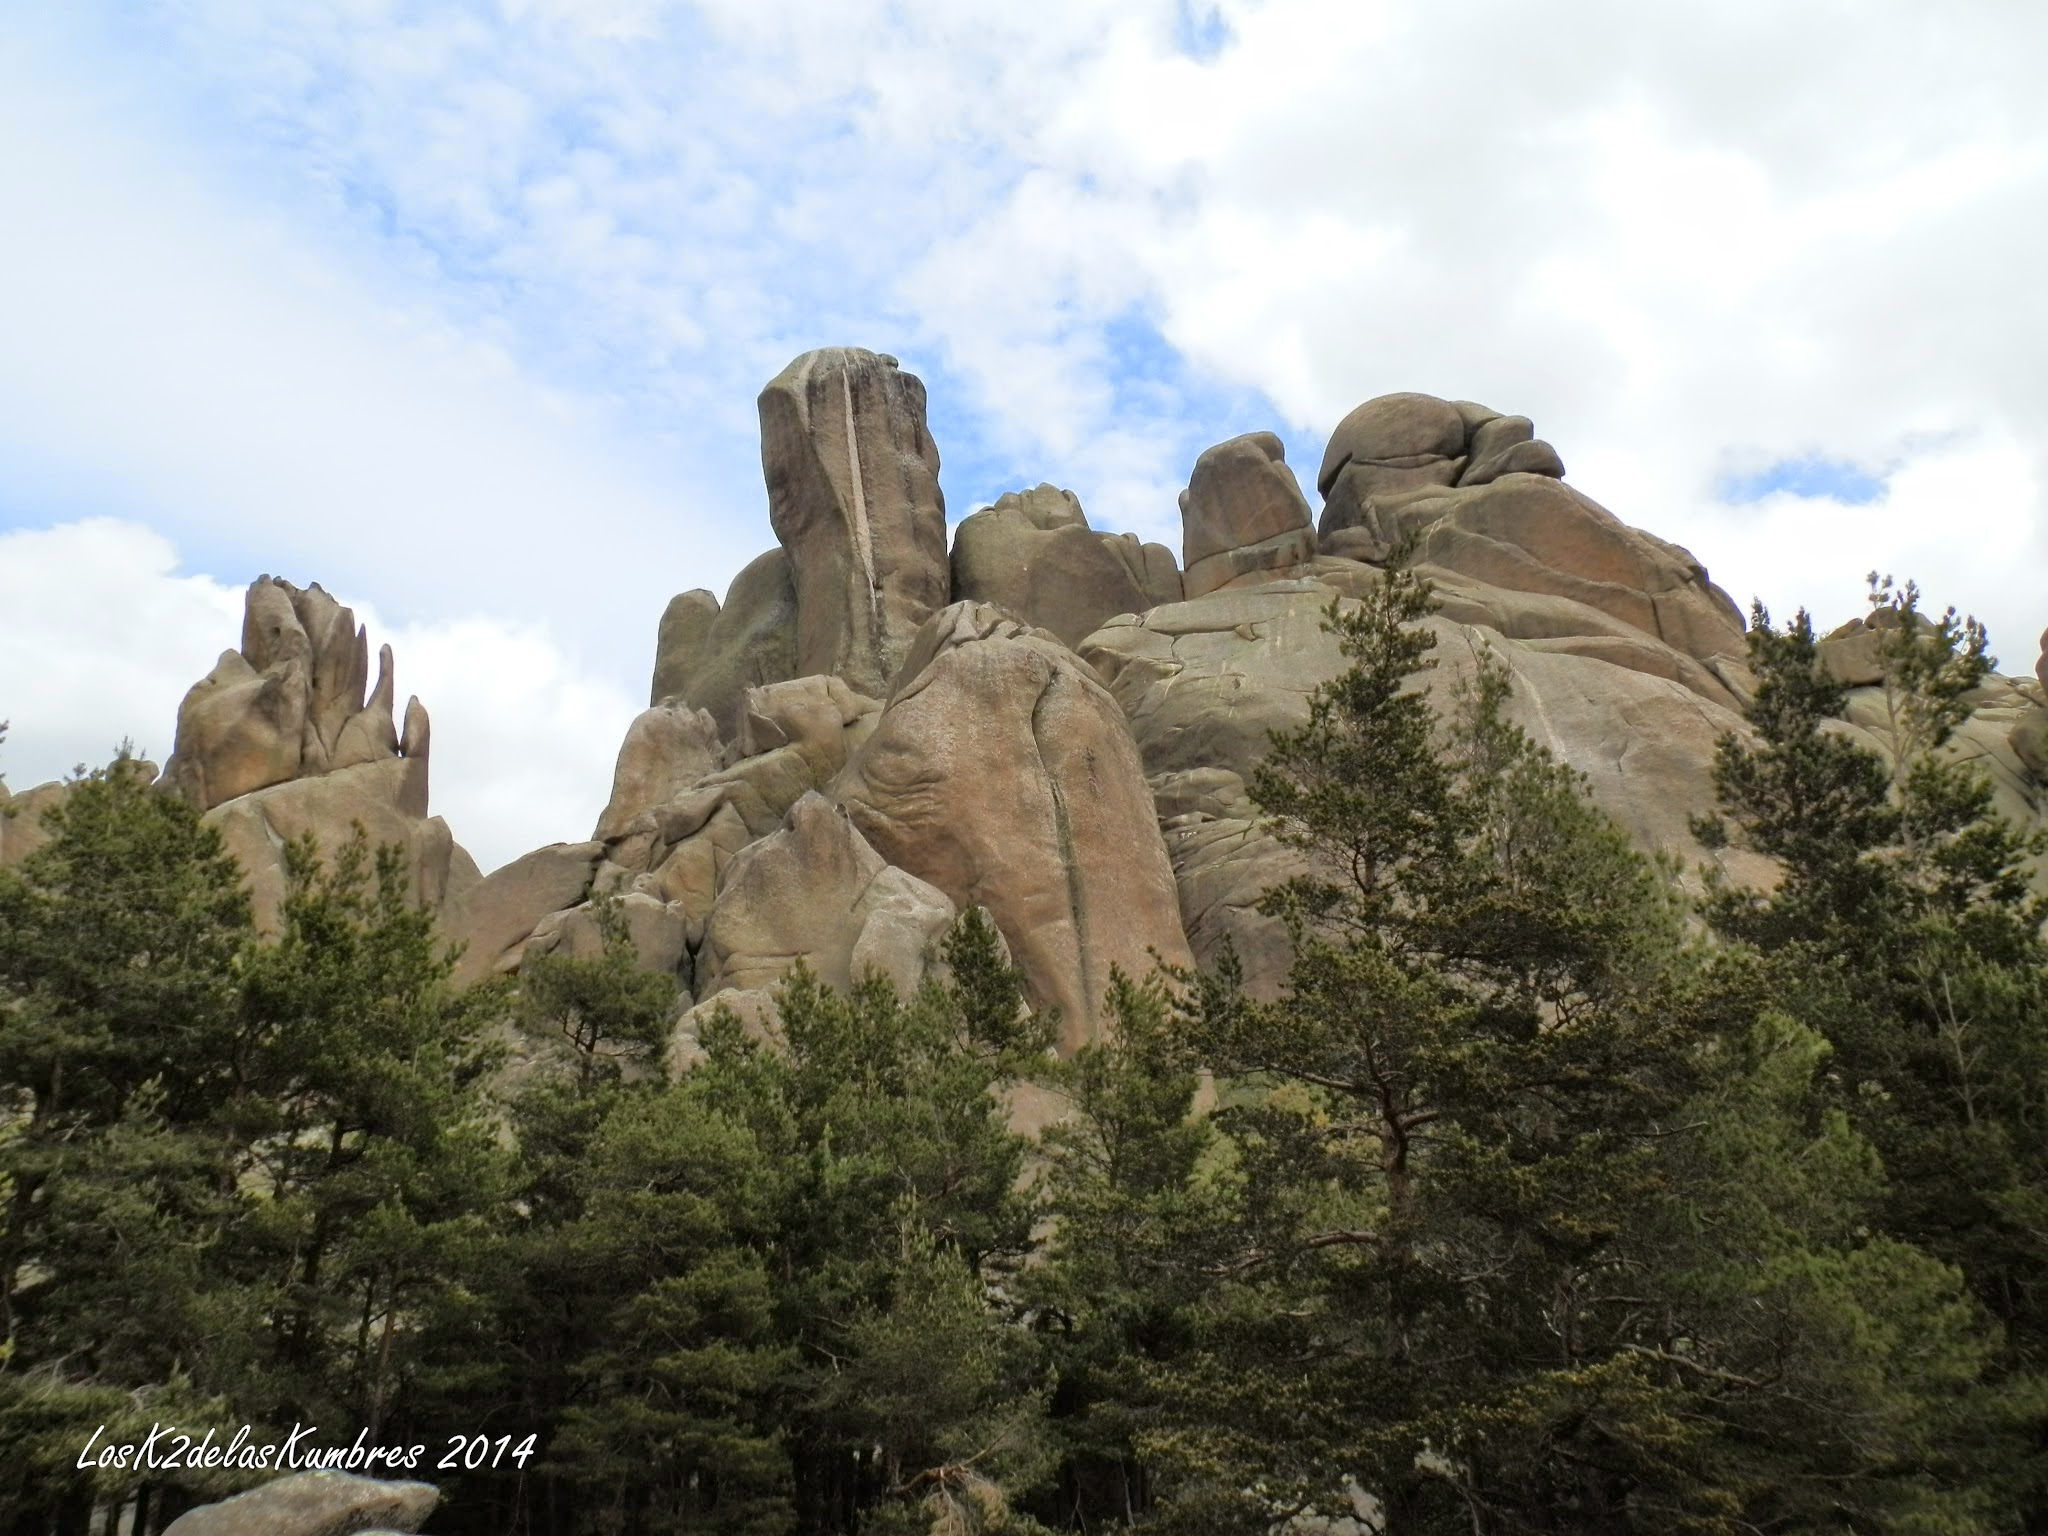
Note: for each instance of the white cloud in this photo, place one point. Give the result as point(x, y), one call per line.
point(99, 639)
point(463, 310)
point(102, 637)
point(178, 355)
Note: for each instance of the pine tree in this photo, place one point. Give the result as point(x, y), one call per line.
point(1928, 974)
point(120, 944)
point(1475, 1211)
point(368, 1135)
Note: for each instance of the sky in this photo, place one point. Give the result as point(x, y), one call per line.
point(461, 309)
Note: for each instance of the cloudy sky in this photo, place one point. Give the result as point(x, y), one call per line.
point(461, 308)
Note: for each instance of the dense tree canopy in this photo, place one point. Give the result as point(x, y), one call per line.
point(1543, 1197)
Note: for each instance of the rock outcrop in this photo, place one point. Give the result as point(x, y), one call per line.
point(816, 891)
point(1056, 724)
point(288, 705)
point(1004, 774)
point(707, 656)
point(278, 741)
point(1410, 442)
point(667, 749)
point(1243, 517)
point(313, 1504)
point(500, 912)
point(1034, 556)
point(853, 494)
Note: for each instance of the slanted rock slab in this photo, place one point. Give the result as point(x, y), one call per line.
point(313, 1504)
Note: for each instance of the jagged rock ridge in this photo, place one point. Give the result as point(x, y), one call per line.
point(1054, 723)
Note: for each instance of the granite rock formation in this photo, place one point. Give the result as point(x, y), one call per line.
point(1003, 773)
point(853, 494)
point(1056, 724)
point(1033, 555)
point(279, 741)
point(313, 1504)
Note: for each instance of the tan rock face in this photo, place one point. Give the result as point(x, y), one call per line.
point(710, 661)
point(679, 642)
point(502, 909)
point(1204, 682)
point(1533, 535)
point(853, 494)
point(659, 934)
point(815, 715)
point(289, 704)
point(817, 891)
point(389, 800)
point(1241, 493)
point(1404, 445)
point(667, 749)
point(313, 1504)
point(1034, 556)
point(240, 730)
point(278, 741)
point(1005, 775)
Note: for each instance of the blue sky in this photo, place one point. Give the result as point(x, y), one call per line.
point(461, 309)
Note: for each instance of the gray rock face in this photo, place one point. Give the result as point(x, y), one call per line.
point(710, 662)
point(1002, 773)
point(1033, 555)
point(853, 494)
point(1241, 514)
point(313, 1504)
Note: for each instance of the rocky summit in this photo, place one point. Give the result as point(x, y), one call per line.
point(1055, 723)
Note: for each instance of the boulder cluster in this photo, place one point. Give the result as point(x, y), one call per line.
point(872, 732)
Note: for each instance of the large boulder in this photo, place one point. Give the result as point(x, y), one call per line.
point(853, 494)
point(1033, 555)
point(239, 730)
point(821, 718)
point(313, 1504)
point(1243, 514)
point(818, 892)
point(667, 749)
point(1405, 444)
point(708, 656)
point(1537, 559)
point(1004, 774)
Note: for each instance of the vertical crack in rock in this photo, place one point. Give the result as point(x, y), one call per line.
point(863, 542)
point(1070, 862)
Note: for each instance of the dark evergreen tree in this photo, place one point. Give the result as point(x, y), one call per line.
point(1475, 1213)
point(1904, 928)
point(368, 1135)
point(120, 945)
